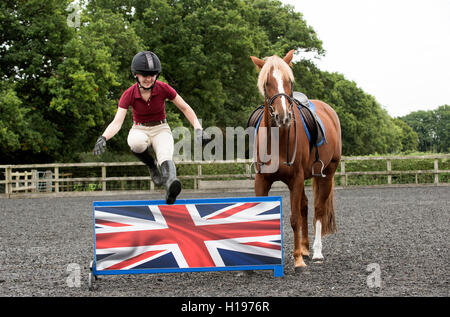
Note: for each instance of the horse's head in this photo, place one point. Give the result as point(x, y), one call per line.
point(275, 82)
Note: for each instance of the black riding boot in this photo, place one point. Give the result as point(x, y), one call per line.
point(146, 158)
point(173, 184)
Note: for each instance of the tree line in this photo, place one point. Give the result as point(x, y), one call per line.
point(60, 81)
point(432, 128)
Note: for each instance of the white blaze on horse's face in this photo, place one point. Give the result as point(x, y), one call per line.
point(279, 78)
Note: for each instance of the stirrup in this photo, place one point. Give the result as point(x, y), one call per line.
point(321, 169)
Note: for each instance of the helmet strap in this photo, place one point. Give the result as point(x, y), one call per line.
point(149, 88)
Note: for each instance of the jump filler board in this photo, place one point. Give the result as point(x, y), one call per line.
point(193, 235)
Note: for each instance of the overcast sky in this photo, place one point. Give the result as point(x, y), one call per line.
point(396, 50)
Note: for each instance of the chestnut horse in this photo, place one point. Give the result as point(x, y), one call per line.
point(281, 120)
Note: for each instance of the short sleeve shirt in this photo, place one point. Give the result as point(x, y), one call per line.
point(152, 110)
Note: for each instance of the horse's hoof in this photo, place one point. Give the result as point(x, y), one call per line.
point(299, 269)
point(317, 259)
point(299, 262)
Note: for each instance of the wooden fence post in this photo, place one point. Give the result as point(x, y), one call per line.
point(34, 180)
point(25, 180)
point(103, 178)
point(8, 178)
point(436, 171)
point(199, 174)
point(343, 176)
point(48, 181)
point(248, 170)
point(389, 170)
point(56, 172)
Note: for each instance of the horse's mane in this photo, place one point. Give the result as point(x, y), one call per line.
point(274, 62)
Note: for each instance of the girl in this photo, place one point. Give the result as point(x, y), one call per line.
point(150, 128)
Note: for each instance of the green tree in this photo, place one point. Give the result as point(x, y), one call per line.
point(87, 85)
point(442, 115)
point(422, 122)
point(32, 35)
point(60, 85)
point(432, 128)
point(285, 28)
point(366, 127)
point(409, 137)
point(16, 132)
point(204, 47)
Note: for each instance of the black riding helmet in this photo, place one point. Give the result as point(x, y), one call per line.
point(146, 63)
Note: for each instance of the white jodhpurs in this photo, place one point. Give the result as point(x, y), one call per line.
point(158, 137)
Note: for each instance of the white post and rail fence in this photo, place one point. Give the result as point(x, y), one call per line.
point(100, 178)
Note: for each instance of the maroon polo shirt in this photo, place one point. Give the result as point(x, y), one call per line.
point(146, 111)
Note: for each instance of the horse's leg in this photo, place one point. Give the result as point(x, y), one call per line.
point(296, 194)
point(304, 243)
point(262, 188)
point(262, 185)
point(324, 219)
point(317, 245)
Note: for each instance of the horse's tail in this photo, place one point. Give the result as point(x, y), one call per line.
point(326, 214)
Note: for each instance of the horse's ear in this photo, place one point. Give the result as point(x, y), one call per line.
point(258, 62)
point(288, 57)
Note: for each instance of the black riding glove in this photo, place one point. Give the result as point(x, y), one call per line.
point(100, 145)
point(202, 136)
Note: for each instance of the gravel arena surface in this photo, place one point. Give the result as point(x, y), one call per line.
point(402, 231)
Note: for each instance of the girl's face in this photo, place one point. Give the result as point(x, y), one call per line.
point(146, 81)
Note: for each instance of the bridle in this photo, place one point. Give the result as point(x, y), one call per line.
point(271, 100)
point(292, 102)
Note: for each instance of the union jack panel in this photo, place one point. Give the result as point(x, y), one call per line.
point(191, 235)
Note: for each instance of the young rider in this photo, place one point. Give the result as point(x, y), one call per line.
point(150, 128)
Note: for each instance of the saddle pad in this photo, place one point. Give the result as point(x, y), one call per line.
point(320, 134)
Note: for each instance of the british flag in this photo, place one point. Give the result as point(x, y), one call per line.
point(195, 235)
